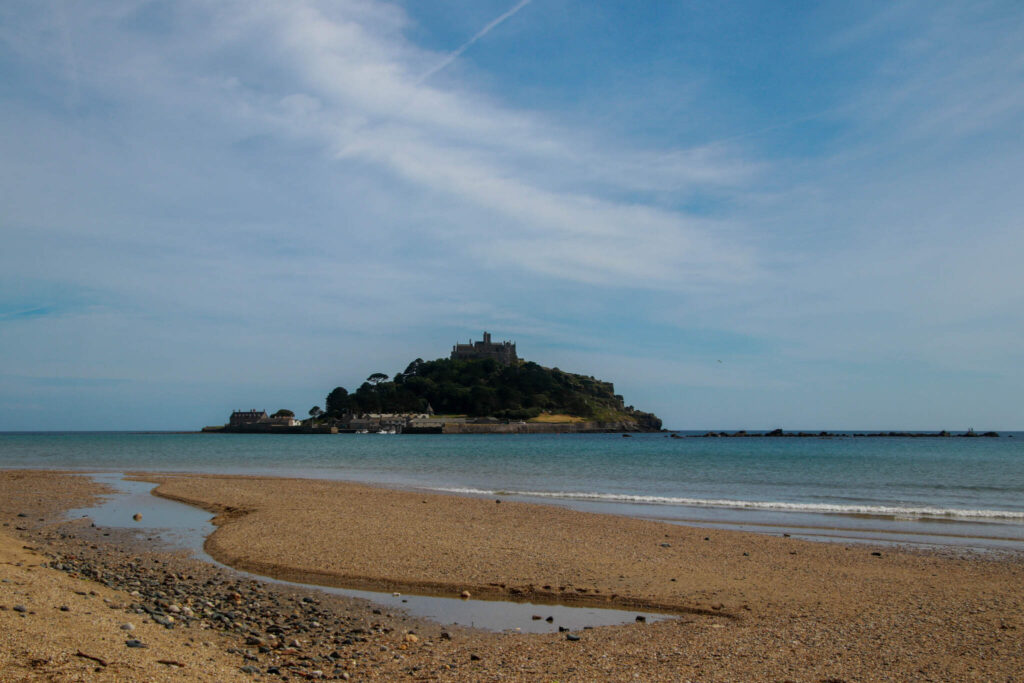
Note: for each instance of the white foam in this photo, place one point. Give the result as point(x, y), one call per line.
point(902, 512)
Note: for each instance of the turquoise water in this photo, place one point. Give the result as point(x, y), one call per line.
point(926, 490)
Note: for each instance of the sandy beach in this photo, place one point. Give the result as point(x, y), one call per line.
point(752, 607)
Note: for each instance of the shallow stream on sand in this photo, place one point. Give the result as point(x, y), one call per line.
point(184, 527)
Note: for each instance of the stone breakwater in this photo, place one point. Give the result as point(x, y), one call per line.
point(544, 428)
point(779, 433)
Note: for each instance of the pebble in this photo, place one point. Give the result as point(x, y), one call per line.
point(20, 608)
point(572, 637)
point(264, 621)
point(137, 516)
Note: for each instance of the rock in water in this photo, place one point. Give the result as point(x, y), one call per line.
point(137, 516)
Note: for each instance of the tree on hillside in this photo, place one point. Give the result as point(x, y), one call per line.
point(366, 399)
point(284, 412)
point(338, 402)
point(485, 388)
point(315, 412)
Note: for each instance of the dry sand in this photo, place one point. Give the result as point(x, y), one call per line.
point(755, 607)
point(57, 628)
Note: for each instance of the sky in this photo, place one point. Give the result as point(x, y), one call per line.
point(745, 215)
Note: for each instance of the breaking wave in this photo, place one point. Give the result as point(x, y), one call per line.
point(903, 512)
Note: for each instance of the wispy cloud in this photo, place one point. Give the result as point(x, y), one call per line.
point(498, 159)
point(27, 313)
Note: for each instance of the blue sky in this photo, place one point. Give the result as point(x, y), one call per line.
point(746, 215)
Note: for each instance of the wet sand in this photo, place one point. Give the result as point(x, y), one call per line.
point(754, 607)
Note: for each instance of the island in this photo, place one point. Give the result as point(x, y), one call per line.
point(483, 387)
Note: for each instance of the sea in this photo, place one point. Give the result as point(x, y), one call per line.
point(916, 491)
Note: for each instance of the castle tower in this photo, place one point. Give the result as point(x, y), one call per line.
point(503, 352)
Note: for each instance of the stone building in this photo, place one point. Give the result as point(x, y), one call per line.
point(247, 417)
point(503, 352)
point(242, 418)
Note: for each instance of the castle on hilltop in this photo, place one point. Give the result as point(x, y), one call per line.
point(503, 352)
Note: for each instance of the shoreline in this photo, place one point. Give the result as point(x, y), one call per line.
point(237, 556)
point(770, 607)
point(987, 530)
point(245, 523)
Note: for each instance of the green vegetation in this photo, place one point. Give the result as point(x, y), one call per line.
point(284, 412)
point(555, 418)
point(521, 391)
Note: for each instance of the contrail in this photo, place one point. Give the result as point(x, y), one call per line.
point(451, 57)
